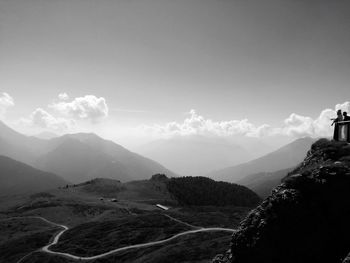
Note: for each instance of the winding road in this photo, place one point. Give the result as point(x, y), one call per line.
point(56, 238)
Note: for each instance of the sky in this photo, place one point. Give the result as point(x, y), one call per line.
point(138, 70)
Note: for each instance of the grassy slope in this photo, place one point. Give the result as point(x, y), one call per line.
point(22, 236)
point(106, 222)
point(211, 216)
point(99, 237)
point(199, 248)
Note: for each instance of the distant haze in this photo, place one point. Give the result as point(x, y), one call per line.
point(199, 155)
point(149, 70)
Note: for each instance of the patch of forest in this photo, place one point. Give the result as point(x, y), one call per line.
point(204, 191)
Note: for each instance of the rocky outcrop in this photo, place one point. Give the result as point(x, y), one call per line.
point(306, 218)
point(347, 259)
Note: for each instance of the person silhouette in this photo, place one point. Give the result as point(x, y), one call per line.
point(346, 126)
point(337, 130)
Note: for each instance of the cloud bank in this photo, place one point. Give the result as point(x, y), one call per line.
point(94, 109)
point(40, 118)
point(88, 107)
point(295, 126)
point(67, 115)
point(299, 126)
point(196, 124)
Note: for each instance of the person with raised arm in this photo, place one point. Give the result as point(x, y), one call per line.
point(337, 129)
point(346, 125)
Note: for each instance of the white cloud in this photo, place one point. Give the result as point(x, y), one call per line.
point(88, 107)
point(63, 96)
point(197, 125)
point(40, 118)
point(295, 126)
point(6, 101)
point(344, 107)
point(298, 125)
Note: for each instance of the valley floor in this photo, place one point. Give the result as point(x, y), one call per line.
point(60, 228)
point(56, 239)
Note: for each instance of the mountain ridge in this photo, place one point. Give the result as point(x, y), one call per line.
point(110, 159)
point(20, 178)
point(285, 157)
point(263, 183)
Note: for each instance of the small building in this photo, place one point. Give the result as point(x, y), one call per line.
point(114, 200)
point(162, 207)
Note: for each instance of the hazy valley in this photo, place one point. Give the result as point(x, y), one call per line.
point(79, 197)
point(90, 189)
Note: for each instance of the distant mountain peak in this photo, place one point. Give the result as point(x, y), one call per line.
point(82, 136)
point(46, 135)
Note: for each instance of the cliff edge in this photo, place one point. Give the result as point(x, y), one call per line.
point(306, 218)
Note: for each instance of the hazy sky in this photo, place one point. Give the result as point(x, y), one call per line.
point(149, 61)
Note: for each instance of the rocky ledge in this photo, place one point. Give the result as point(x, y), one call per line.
point(305, 219)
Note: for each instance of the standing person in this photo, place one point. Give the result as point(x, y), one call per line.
point(346, 125)
point(337, 130)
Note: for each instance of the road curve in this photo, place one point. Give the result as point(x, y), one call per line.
point(46, 248)
point(55, 240)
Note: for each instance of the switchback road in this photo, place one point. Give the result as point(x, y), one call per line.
point(56, 238)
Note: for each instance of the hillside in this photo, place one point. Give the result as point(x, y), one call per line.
point(148, 191)
point(81, 157)
point(79, 162)
point(306, 218)
point(78, 157)
point(102, 215)
point(287, 156)
point(263, 183)
point(101, 186)
point(46, 135)
point(19, 178)
point(183, 191)
point(136, 164)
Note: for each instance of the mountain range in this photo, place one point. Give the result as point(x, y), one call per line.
point(83, 156)
point(78, 157)
point(196, 155)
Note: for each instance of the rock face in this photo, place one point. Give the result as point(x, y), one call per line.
point(347, 259)
point(306, 218)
